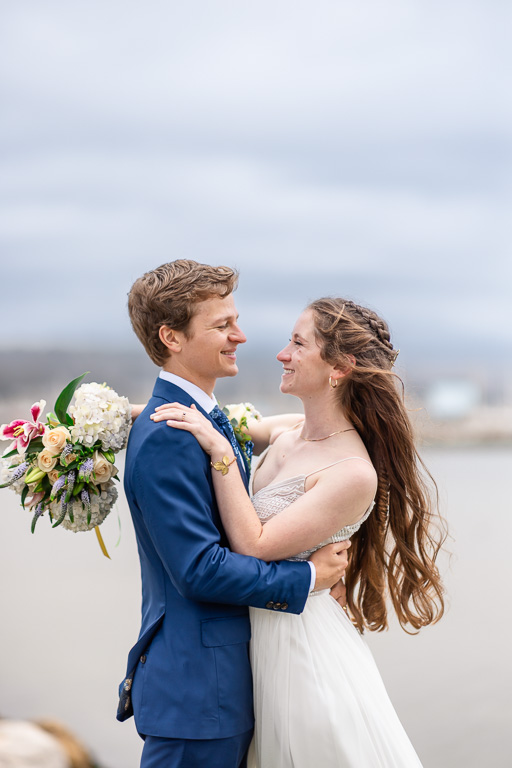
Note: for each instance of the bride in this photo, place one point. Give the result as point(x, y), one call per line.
point(348, 469)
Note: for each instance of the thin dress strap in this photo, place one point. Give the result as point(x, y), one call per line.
point(349, 458)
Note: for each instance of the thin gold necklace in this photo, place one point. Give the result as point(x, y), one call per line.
point(318, 439)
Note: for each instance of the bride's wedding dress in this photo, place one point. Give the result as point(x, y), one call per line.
point(318, 696)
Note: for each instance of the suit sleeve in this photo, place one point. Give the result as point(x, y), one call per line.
point(174, 492)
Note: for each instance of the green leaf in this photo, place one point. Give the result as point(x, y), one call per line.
point(60, 518)
point(35, 445)
point(71, 465)
point(24, 495)
point(11, 453)
point(64, 399)
point(78, 488)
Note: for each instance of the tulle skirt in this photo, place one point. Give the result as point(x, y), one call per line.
point(318, 695)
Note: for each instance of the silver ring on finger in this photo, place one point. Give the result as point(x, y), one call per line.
point(183, 416)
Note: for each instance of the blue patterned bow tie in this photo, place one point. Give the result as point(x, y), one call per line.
point(226, 426)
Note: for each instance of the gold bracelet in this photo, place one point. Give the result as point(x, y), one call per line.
point(224, 465)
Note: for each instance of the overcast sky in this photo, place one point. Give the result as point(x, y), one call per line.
point(352, 148)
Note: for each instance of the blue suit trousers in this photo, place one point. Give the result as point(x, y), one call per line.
point(189, 753)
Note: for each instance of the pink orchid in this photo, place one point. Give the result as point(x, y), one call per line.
point(22, 432)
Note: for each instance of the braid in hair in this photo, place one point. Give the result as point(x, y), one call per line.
point(395, 550)
point(377, 325)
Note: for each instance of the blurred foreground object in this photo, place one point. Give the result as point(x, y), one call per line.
point(42, 744)
point(25, 745)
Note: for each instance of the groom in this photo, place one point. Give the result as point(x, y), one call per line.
point(188, 679)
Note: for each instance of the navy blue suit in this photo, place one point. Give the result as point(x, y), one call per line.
point(189, 674)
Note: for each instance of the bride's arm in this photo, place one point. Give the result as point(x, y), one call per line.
point(137, 409)
point(303, 525)
point(264, 431)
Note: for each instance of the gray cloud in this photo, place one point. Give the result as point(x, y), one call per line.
point(361, 149)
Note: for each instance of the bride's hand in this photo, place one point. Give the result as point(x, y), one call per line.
point(191, 420)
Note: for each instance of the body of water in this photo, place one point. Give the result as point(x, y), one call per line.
point(69, 617)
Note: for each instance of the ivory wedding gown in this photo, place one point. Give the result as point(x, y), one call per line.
point(319, 699)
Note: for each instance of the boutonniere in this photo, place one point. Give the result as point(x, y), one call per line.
point(238, 413)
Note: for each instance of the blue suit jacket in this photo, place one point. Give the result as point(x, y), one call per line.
point(190, 666)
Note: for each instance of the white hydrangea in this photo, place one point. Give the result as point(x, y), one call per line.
point(100, 414)
point(100, 507)
point(6, 473)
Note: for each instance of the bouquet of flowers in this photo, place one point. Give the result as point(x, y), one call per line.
point(65, 466)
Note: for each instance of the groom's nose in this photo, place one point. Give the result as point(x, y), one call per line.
point(238, 335)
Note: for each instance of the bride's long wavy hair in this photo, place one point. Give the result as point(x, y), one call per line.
point(395, 550)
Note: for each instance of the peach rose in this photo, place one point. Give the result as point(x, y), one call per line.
point(102, 468)
point(53, 475)
point(65, 460)
point(46, 460)
point(55, 439)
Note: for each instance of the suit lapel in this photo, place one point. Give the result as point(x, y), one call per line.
point(171, 393)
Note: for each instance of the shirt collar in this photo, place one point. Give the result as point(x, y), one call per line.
point(206, 402)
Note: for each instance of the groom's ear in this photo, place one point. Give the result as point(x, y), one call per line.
point(170, 338)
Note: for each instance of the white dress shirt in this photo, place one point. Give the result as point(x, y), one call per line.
point(208, 403)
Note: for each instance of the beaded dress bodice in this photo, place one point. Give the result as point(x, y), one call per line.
point(272, 499)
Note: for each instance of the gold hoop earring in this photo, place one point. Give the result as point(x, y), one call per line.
point(333, 382)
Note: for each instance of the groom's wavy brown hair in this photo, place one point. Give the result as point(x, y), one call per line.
point(395, 550)
point(168, 295)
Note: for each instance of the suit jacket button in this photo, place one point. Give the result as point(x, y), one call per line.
point(277, 606)
point(270, 604)
point(143, 658)
point(284, 606)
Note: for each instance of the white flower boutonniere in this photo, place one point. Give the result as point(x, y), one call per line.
point(238, 413)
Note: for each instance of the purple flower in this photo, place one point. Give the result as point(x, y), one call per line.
point(37, 514)
point(57, 486)
point(19, 471)
point(71, 476)
point(85, 470)
point(68, 448)
point(85, 498)
point(86, 501)
point(63, 510)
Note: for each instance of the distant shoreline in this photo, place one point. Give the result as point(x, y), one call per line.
point(26, 377)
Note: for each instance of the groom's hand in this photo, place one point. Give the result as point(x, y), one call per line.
point(339, 592)
point(330, 563)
